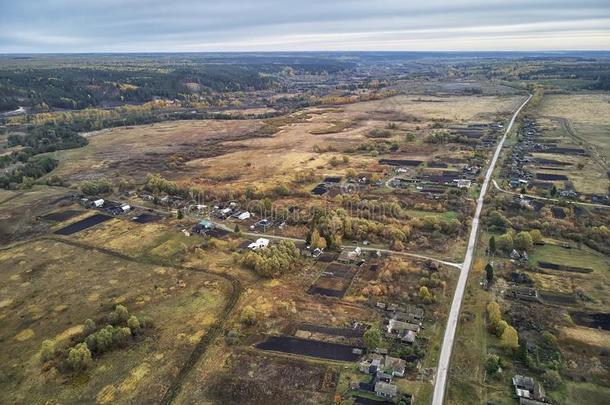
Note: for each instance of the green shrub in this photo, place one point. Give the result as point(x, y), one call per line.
point(79, 357)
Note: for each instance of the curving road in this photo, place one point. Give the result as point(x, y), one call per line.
point(440, 381)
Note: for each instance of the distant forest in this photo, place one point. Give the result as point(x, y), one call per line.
point(63, 83)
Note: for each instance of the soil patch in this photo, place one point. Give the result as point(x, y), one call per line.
point(557, 298)
point(312, 348)
point(146, 218)
point(592, 320)
point(400, 162)
point(561, 267)
point(334, 281)
point(327, 330)
point(551, 177)
point(558, 212)
point(61, 216)
point(551, 162)
point(83, 224)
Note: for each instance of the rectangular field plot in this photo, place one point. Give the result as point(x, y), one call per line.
point(62, 215)
point(551, 177)
point(146, 218)
point(592, 320)
point(327, 330)
point(561, 267)
point(311, 348)
point(83, 224)
point(334, 280)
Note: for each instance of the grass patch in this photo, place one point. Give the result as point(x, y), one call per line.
point(336, 127)
point(569, 257)
point(445, 216)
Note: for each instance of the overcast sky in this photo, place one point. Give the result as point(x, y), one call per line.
point(308, 25)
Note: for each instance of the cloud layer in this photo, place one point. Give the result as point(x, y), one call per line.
point(290, 25)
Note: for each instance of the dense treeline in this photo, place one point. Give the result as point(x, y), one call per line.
point(34, 168)
point(591, 229)
point(95, 119)
point(38, 139)
point(49, 137)
point(78, 88)
point(84, 82)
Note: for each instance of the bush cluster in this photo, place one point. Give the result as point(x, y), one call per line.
point(274, 260)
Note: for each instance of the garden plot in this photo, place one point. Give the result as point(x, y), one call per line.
point(311, 348)
point(551, 177)
point(83, 224)
point(347, 336)
point(263, 378)
point(561, 267)
point(62, 215)
point(334, 280)
point(146, 218)
point(593, 320)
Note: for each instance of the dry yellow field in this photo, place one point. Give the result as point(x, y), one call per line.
point(587, 115)
point(456, 108)
point(592, 108)
point(209, 150)
point(48, 289)
point(588, 336)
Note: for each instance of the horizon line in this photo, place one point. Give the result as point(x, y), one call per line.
point(307, 51)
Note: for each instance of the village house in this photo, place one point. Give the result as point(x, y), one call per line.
point(524, 294)
point(385, 390)
point(406, 332)
point(385, 377)
point(394, 366)
point(528, 388)
point(371, 365)
point(400, 327)
point(203, 226)
point(406, 317)
point(389, 365)
point(348, 257)
point(463, 183)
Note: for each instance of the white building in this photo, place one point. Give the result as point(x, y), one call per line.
point(261, 243)
point(463, 183)
point(244, 215)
